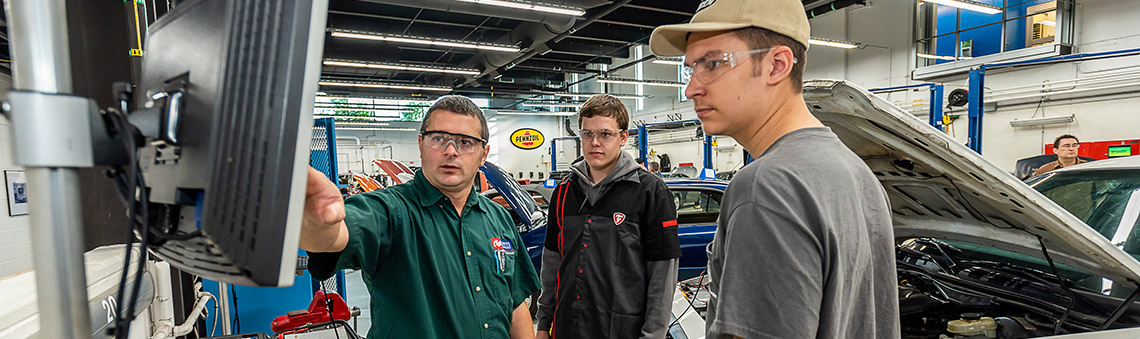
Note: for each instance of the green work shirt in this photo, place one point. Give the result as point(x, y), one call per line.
point(432, 273)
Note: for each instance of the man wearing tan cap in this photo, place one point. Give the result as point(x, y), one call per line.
point(804, 246)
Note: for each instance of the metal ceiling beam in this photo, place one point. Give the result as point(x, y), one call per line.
point(436, 22)
point(662, 10)
point(471, 8)
point(602, 21)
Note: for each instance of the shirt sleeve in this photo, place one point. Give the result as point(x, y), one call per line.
point(659, 231)
point(790, 276)
point(526, 278)
point(554, 217)
point(369, 221)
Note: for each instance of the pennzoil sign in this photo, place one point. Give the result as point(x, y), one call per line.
point(527, 138)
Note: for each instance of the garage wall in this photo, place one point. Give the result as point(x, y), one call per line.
point(530, 162)
point(885, 28)
point(16, 246)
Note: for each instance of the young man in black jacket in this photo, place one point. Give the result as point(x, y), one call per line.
point(610, 259)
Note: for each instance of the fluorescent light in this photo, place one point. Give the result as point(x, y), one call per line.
point(662, 83)
point(668, 61)
point(382, 112)
point(361, 123)
point(424, 41)
point(540, 104)
point(401, 67)
point(833, 43)
point(1043, 121)
point(536, 8)
point(587, 95)
point(390, 129)
point(345, 116)
point(968, 5)
point(370, 98)
point(383, 85)
point(1049, 23)
point(535, 113)
point(938, 57)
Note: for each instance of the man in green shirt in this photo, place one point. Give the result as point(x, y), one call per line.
point(440, 260)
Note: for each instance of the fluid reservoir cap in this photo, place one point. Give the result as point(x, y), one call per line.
point(984, 326)
point(971, 316)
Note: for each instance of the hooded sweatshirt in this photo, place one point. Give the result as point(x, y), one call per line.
point(610, 261)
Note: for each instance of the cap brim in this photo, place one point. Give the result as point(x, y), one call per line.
point(670, 40)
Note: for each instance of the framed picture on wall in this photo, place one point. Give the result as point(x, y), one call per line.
point(17, 187)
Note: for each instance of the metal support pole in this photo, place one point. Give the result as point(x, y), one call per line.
point(977, 87)
point(224, 307)
point(936, 106)
point(41, 63)
point(553, 156)
point(708, 151)
point(643, 144)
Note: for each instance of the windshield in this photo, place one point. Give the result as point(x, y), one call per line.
point(1106, 200)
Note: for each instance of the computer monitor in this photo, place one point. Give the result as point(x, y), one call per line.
point(236, 80)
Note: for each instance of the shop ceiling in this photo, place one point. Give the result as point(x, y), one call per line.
point(480, 48)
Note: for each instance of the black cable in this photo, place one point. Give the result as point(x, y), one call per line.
point(122, 132)
point(329, 307)
point(1061, 281)
point(691, 300)
point(236, 323)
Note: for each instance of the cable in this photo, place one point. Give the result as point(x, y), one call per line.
point(236, 324)
point(1060, 281)
point(700, 283)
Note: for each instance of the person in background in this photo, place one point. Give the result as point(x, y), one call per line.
point(609, 266)
point(804, 245)
point(1066, 147)
point(655, 168)
point(640, 162)
point(439, 259)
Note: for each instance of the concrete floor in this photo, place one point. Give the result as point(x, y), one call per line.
point(358, 296)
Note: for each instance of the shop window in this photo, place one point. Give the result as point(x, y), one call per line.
point(950, 34)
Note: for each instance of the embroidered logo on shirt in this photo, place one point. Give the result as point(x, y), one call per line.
point(619, 218)
point(504, 245)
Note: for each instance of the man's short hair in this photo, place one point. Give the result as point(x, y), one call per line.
point(639, 161)
point(654, 166)
point(461, 105)
point(607, 106)
point(758, 38)
point(1057, 142)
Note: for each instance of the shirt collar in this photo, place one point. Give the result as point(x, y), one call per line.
point(429, 195)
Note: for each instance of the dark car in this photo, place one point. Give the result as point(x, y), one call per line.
point(698, 205)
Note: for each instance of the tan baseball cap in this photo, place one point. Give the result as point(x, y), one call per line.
point(786, 17)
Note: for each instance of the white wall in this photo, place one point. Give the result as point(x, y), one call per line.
point(1100, 26)
point(886, 28)
point(15, 232)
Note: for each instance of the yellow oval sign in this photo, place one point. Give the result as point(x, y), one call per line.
point(527, 138)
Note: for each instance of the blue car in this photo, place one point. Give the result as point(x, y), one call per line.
point(698, 205)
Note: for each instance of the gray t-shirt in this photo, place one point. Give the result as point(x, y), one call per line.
point(804, 247)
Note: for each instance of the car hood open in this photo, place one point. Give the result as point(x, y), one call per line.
point(942, 189)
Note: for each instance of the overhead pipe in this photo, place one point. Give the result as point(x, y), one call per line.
point(472, 8)
point(493, 62)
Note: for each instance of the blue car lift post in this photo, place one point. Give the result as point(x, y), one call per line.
point(554, 151)
point(936, 91)
point(978, 80)
point(643, 141)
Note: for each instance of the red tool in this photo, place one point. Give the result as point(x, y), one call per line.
point(317, 313)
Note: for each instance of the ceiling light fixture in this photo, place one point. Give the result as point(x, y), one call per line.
point(1049, 23)
point(384, 85)
point(378, 129)
point(587, 95)
point(668, 61)
point(338, 123)
point(372, 98)
point(401, 67)
point(662, 83)
point(345, 116)
point(1068, 119)
point(423, 41)
point(537, 113)
point(968, 5)
point(542, 104)
point(532, 7)
point(833, 43)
